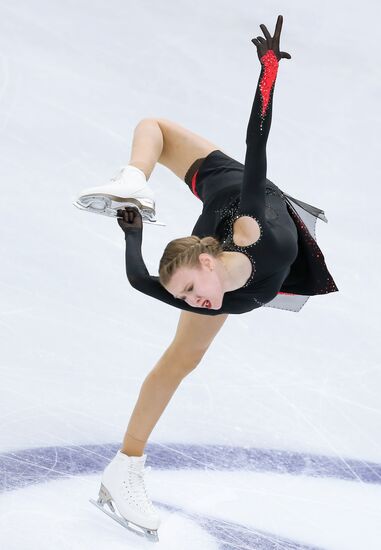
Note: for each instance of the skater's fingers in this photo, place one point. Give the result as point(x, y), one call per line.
point(128, 213)
point(121, 213)
point(121, 224)
point(265, 32)
point(132, 210)
point(278, 27)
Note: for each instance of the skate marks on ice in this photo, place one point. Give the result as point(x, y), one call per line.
point(228, 535)
point(30, 466)
point(232, 535)
point(33, 466)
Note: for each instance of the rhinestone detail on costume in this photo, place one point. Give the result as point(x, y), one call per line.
point(230, 214)
point(270, 68)
point(232, 226)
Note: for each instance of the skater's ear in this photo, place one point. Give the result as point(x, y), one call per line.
point(206, 260)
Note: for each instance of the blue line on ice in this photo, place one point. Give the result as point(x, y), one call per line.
point(31, 466)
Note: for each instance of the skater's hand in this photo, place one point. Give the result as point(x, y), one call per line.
point(271, 43)
point(129, 218)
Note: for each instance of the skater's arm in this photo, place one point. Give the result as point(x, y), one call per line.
point(254, 177)
point(131, 222)
point(141, 280)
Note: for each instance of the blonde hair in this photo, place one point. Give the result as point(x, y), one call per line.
point(185, 252)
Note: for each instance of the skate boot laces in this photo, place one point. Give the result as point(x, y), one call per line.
point(119, 174)
point(135, 489)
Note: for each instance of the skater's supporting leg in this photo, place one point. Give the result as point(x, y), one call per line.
point(193, 336)
point(156, 391)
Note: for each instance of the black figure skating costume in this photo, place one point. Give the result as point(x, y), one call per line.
point(287, 264)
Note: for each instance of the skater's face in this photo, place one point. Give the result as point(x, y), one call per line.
point(198, 286)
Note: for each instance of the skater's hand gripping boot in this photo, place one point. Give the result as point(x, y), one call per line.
point(129, 218)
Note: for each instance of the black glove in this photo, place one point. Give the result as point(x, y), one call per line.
point(270, 43)
point(129, 218)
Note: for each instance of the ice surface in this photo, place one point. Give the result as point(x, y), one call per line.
point(273, 442)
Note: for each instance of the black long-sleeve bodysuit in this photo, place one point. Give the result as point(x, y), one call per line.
point(285, 259)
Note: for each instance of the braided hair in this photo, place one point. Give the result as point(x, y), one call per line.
point(185, 252)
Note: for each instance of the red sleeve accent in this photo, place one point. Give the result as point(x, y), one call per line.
point(270, 64)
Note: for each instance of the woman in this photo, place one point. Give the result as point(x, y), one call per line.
point(252, 246)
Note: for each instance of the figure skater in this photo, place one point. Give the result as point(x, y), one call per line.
point(252, 246)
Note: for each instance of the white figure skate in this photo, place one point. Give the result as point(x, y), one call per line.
point(128, 188)
point(123, 490)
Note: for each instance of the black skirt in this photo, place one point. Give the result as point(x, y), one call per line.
point(309, 275)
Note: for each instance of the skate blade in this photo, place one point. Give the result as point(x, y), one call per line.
point(108, 206)
point(150, 534)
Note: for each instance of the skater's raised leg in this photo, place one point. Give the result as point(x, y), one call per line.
point(147, 146)
point(168, 143)
point(154, 140)
point(129, 186)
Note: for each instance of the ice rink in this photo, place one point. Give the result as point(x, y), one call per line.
point(274, 441)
